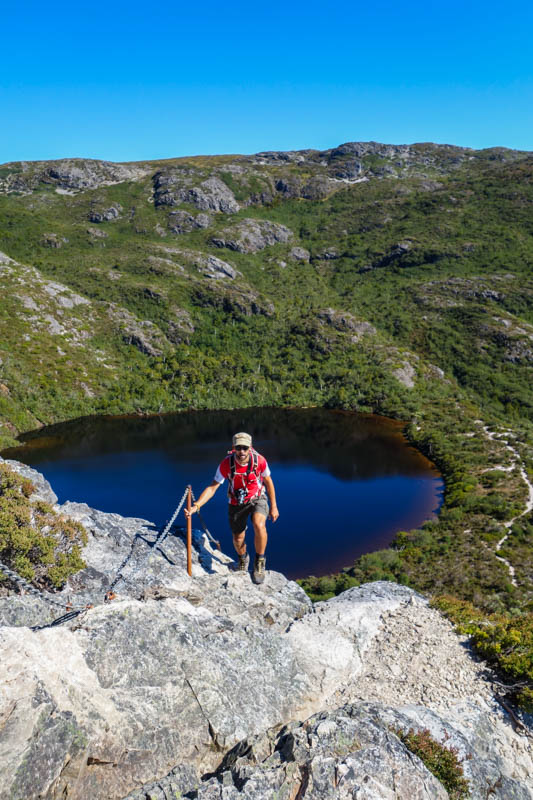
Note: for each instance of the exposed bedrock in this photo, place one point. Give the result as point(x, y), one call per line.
point(186, 683)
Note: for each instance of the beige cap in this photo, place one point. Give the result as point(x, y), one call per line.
point(242, 438)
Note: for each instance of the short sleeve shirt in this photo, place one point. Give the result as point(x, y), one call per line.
point(253, 485)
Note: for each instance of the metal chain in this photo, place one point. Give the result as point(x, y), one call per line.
point(24, 584)
point(118, 576)
point(204, 526)
point(159, 540)
point(59, 621)
point(74, 611)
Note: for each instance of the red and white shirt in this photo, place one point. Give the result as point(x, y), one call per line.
point(251, 481)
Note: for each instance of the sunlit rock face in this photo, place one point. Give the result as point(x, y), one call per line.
point(217, 688)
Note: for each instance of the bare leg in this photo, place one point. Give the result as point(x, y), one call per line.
point(261, 536)
point(239, 544)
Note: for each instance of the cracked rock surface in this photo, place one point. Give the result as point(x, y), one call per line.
point(217, 688)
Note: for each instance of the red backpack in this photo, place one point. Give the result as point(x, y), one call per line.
point(249, 477)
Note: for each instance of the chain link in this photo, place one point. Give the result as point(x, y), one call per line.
point(24, 584)
point(158, 541)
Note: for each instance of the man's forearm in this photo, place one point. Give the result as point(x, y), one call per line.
point(271, 493)
point(206, 495)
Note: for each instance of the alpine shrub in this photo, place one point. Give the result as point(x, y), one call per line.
point(36, 542)
point(439, 759)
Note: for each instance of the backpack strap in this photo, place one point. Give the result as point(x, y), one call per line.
point(253, 462)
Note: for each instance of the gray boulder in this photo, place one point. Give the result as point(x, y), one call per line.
point(212, 195)
point(53, 240)
point(347, 323)
point(97, 234)
point(182, 222)
point(300, 254)
point(106, 215)
point(252, 235)
point(406, 374)
point(214, 267)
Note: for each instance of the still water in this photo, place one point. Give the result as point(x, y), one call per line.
point(345, 482)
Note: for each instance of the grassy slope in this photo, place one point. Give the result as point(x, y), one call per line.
point(436, 253)
point(458, 298)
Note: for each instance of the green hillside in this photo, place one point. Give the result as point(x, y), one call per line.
point(392, 279)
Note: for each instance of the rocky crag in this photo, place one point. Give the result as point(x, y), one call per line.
point(211, 687)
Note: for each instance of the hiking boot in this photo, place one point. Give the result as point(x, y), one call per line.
point(242, 563)
point(259, 569)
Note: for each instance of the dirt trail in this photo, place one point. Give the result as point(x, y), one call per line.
point(529, 503)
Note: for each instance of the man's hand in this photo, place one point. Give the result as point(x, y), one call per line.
point(274, 513)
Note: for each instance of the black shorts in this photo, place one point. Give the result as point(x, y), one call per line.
point(238, 515)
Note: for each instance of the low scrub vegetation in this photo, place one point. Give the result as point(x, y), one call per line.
point(40, 545)
point(505, 641)
point(440, 759)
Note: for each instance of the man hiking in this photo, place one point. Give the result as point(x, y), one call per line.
point(248, 476)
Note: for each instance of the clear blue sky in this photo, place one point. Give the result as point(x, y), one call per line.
point(130, 80)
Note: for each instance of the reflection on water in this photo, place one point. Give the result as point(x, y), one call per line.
point(345, 482)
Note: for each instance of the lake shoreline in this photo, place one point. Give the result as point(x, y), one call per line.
point(350, 479)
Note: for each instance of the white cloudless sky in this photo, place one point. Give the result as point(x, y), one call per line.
point(132, 81)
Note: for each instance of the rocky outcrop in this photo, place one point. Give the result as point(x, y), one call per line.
point(106, 214)
point(141, 333)
point(395, 254)
point(69, 175)
point(300, 254)
point(96, 233)
point(217, 688)
point(356, 161)
point(347, 323)
point(316, 188)
point(252, 235)
point(53, 240)
point(330, 756)
point(182, 222)
point(212, 195)
point(214, 267)
point(173, 187)
point(406, 374)
point(209, 266)
point(239, 301)
point(180, 326)
point(5, 260)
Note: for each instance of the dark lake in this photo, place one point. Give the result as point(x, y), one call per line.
point(345, 483)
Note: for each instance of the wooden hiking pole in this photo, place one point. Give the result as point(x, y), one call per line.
point(189, 530)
